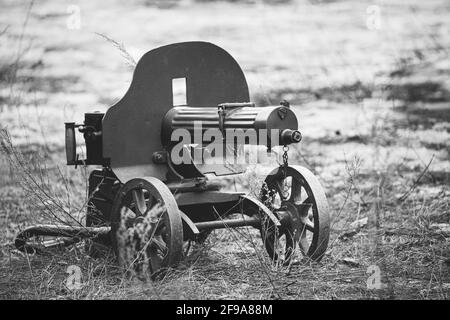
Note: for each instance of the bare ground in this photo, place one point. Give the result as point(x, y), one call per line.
point(373, 108)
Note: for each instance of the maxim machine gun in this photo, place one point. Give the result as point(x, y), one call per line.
point(153, 155)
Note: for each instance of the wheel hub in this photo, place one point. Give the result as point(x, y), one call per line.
point(289, 217)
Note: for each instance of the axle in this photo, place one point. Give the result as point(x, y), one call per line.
point(229, 223)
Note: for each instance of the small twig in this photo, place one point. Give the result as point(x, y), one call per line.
point(416, 183)
point(4, 30)
point(423, 162)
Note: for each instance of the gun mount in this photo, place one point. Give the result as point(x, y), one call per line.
point(146, 162)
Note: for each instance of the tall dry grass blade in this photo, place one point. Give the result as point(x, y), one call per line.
point(120, 46)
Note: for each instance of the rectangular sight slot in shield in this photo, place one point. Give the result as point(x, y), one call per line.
point(179, 92)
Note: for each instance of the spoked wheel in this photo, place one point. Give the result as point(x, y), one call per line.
point(146, 226)
point(298, 200)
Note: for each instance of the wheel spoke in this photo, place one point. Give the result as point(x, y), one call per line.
point(128, 217)
point(296, 191)
point(303, 209)
point(307, 200)
point(155, 260)
point(139, 200)
point(187, 245)
point(160, 227)
point(150, 203)
point(309, 225)
point(159, 244)
point(279, 186)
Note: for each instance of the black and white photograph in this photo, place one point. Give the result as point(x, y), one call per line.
point(240, 152)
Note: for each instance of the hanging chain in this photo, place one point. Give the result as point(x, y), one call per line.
point(285, 157)
point(284, 167)
point(285, 161)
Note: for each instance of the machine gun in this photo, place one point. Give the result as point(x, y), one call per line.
point(143, 164)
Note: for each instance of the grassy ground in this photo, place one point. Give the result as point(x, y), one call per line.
point(374, 112)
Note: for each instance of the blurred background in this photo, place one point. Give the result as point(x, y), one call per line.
point(368, 80)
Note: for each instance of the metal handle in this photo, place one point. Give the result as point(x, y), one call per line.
point(71, 144)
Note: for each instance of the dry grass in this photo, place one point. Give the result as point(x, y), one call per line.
point(373, 108)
